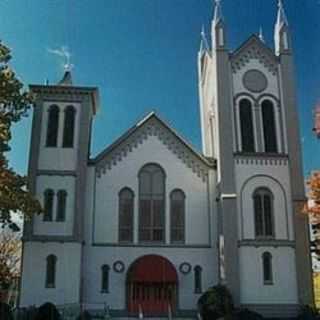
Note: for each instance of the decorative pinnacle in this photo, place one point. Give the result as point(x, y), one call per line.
point(261, 37)
point(282, 18)
point(204, 42)
point(217, 11)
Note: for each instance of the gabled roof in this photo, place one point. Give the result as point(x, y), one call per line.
point(253, 48)
point(148, 126)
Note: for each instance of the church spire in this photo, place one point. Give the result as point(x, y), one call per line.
point(204, 46)
point(217, 12)
point(218, 27)
point(261, 37)
point(281, 31)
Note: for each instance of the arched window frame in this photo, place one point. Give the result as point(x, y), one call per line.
point(105, 278)
point(129, 228)
point(275, 108)
point(152, 198)
point(267, 269)
point(181, 228)
point(197, 279)
point(52, 126)
point(262, 192)
point(48, 204)
point(62, 197)
point(239, 99)
point(51, 270)
point(69, 127)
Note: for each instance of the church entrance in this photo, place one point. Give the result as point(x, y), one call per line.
point(151, 286)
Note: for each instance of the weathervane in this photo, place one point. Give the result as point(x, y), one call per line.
point(64, 53)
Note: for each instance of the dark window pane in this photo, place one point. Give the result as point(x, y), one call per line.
point(105, 278)
point(53, 125)
point(267, 215)
point(267, 267)
point(258, 215)
point(68, 130)
point(177, 216)
point(126, 204)
point(51, 271)
point(269, 126)
point(197, 279)
point(61, 205)
point(246, 126)
point(48, 205)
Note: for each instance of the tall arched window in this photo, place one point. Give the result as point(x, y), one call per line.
point(267, 268)
point(51, 271)
point(48, 205)
point(197, 279)
point(126, 205)
point(61, 205)
point(105, 278)
point(269, 126)
point(177, 214)
point(246, 126)
point(151, 203)
point(53, 126)
point(263, 213)
point(68, 128)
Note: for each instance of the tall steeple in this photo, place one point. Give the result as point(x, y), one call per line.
point(281, 31)
point(204, 46)
point(218, 27)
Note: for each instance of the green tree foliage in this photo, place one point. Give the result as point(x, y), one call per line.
point(15, 103)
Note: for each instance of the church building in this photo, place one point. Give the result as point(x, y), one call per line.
point(150, 223)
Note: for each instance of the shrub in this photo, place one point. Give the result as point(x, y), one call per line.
point(246, 314)
point(85, 315)
point(48, 311)
point(5, 311)
point(307, 313)
point(215, 303)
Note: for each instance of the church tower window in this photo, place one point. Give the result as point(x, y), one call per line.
point(61, 205)
point(151, 203)
point(105, 278)
point(126, 205)
point(263, 213)
point(68, 129)
point(53, 126)
point(51, 271)
point(246, 126)
point(197, 279)
point(267, 268)
point(48, 205)
point(269, 126)
point(177, 206)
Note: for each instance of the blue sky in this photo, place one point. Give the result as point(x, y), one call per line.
point(142, 56)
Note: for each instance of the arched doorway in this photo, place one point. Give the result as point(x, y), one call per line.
point(151, 286)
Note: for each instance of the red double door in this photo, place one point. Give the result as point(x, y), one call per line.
point(151, 286)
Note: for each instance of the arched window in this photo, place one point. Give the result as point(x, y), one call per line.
point(105, 278)
point(197, 279)
point(68, 128)
point(267, 268)
point(177, 213)
point(61, 205)
point(126, 204)
point(263, 213)
point(246, 126)
point(53, 126)
point(48, 205)
point(269, 126)
point(51, 271)
point(151, 203)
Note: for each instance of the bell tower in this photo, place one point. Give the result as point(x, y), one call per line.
point(59, 152)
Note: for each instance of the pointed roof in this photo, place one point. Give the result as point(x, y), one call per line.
point(253, 47)
point(204, 46)
point(281, 18)
point(217, 17)
point(152, 125)
point(66, 80)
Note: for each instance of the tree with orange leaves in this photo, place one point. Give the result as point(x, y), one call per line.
point(312, 208)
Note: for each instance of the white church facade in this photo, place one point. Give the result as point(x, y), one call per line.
point(150, 223)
